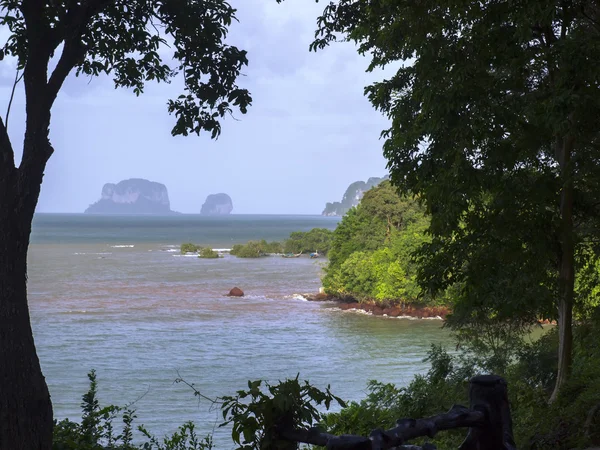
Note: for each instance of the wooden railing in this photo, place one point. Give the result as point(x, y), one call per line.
point(488, 419)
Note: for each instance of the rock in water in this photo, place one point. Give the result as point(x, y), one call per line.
point(133, 196)
point(217, 205)
point(236, 292)
point(352, 197)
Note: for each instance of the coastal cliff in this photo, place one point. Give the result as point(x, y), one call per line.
point(352, 197)
point(133, 196)
point(217, 205)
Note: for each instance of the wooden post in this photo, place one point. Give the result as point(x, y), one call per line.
point(488, 394)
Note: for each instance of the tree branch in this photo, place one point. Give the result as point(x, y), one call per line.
point(35, 73)
point(76, 20)
point(12, 96)
point(78, 16)
point(457, 417)
point(72, 52)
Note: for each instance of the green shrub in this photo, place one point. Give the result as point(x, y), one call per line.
point(188, 247)
point(272, 247)
point(370, 276)
point(256, 414)
point(572, 421)
point(317, 239)
point(208, 253)
point(252, 249)
point(97, 429)
point(256, 249)
point(433, 393)
point(236, 249)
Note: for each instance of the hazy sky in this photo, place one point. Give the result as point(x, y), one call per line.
point(309, 133)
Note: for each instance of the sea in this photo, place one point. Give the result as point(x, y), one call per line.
point(114, 294)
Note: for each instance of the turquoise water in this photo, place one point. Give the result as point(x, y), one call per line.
point(113, 294)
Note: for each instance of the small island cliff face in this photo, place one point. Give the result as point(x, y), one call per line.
point(352, 197)
point(217, 205)
point(133, 196)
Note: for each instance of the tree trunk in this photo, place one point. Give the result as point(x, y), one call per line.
point(566, 277)
point(25, 409)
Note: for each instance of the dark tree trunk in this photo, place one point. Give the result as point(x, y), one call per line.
point(25, 408)
point(566, 277)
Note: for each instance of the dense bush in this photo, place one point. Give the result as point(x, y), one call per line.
point(435, 392)
point(317, 239)
point(188, 247)
point(208, 253)
point(573, 421)
point(377, 275)
point(252, 249)
point(256, 249)
point(272, 247)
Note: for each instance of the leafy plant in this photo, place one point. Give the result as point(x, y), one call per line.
point(188, 247)
point(258, 413)
point(97, 429)
point(255, 249)
point(317, 239)
point(208, 253)
point(185, 438)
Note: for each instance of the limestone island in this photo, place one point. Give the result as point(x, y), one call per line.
point(133, 196)
point(352, 197)
point(217, 205)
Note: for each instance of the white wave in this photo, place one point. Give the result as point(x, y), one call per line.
point(123, 246)
point(368, 313)
point(401, 317)
point(360, 311)
point(296, 297)
point(221, 250)
point(352, 310)
point(414, 318)
point(187, 255)
point(171, 250)
point(255, 297)
point(101, 253)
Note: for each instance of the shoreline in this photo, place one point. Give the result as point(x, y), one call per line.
point(396, 311)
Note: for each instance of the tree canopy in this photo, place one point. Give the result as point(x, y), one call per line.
point(371, 255)
point(317, 239)
point(134, 42)
point(494, 109)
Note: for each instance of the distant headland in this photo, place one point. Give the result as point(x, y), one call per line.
point(352, 197)
point(132, 196)
point(217, 205)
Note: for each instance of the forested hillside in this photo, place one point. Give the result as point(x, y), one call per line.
point(370, 256)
